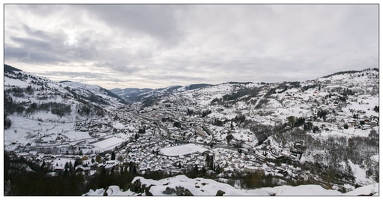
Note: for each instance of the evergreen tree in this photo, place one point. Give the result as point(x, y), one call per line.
point(66, 166)
point(66, 173)
point(207, 160)
point(43, 166)
point(103, 178)
point(345, 126)
point(113, 156)
point(111, 180)
point(211, 166)
point(195, 169)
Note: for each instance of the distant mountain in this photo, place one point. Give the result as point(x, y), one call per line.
point(93, 90)
point(147, 95)
point(231, 93)
point(196, 86)
point(130, 94)
point(239, 91)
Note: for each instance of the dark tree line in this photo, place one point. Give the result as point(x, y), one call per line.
point(59, 109)
point(245, 93)
point(21, 182)
point(262, 132)
point(83, 110)
point(256, 180)
point(299, 122)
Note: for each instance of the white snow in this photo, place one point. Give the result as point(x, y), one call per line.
point(308, 190)
point(365, 190)
point(375, 158)
point(16, 82)
point(208, 187)
point(359, 174)
point(118, 125)
point(182, 150)
point(109, 143)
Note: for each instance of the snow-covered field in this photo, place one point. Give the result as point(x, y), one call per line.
point(24, 130)
point(208, 187)
point(109, 143)
point(11, 81)
point(182, 150)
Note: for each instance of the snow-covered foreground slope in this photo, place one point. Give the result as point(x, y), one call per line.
point(208, 187)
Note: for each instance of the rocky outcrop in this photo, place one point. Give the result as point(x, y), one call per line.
point(220, 193)
point(169, 190)
point(181, 191)
point(138, 187)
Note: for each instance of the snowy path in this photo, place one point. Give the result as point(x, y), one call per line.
point(256, 104)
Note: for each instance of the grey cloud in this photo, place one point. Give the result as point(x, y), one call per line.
point(29, 54)
point(27, 42)
point(39, 34)
point(50, 48)
point(73, 74)
point(180, 78)
point(83, 76)
point(119, 66)
point(42, 10)
point(156, 21)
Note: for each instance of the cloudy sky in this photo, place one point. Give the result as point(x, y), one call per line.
point(120, 46)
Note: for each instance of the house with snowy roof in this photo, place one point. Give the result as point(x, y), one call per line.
point(80, 168)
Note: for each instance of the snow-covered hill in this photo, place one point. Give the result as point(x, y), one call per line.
point(184, 186)
point(28, 92)
point(335, 118)
point(33, 103)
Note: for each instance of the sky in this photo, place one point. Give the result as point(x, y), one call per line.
point(153, 46)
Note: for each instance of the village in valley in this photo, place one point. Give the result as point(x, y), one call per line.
point(277, 129)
